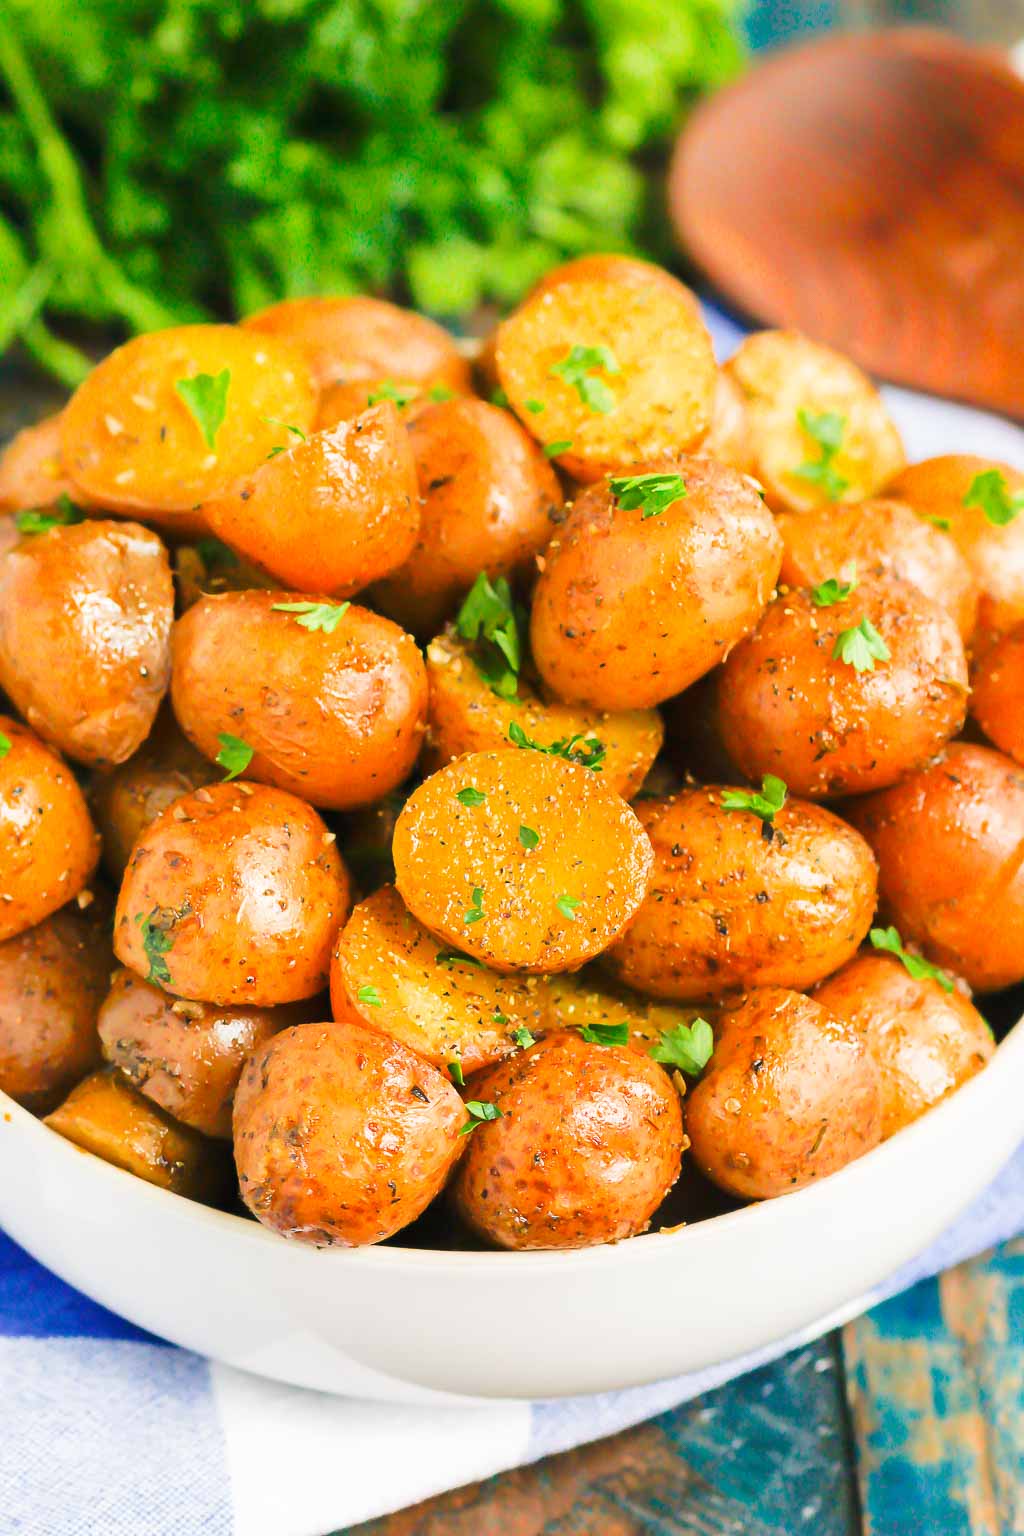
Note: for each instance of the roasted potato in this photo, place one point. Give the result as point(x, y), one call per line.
point(925, 1040)
point(210, 567)
point(332, 700)
point(634, 604)
point(345, 400)
point(949, 840)
point(53, 978)
point(331, 512)
point(342, 1135)
point(106, 1116)
point(729, 908)
point(185, 1056)
point(48, 844)
point(31, 472)
point(879, 538)
point(467, 715)
point(125, 800)
point(729, 436)
point(233, 895)
point(791, 1095)
point(997, 694)
point(171, 418)
point(91, 604)
point(609, 364)
point(489, 500)
point(537, 867)
point(587, 1000)
point(819, 431)
point(845, 698)
point(587, 1143)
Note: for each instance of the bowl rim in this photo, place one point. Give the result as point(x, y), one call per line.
point(756, 1216)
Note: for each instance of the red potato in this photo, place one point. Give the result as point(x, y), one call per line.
point(331, 513)
point(879, 538)
point(791, 1095)
point(365, 338)
point(729, 909)
point(131, 443)
point(490, 502)
point(336, 716)
point(588, 1144)
point(92, 605)
point(53, 978)
point(540, 874)
point(48, 844)
point(789, 705)
point(233, 896)
point(342, 1136)
point(641, 381)
point(31, 471)
point(997, 694)
point(127, 799)
point(949, 840)
point(631, 609)
point(925, 1041)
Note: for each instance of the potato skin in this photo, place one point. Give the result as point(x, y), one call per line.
point(591, 854)
point(125, 800)
point(936, 489)
point(465, 715)
point(925, 1041)
point(949, 840)
point(186, 1057)
point(337, 718)
point(53, 978)
point(790, 1095)
point(90, 604)
point(879, 538)
point(342, 1136)
point(728, 438)
point(629, 611)
point(48, 844)
point(589, 1144)
point(490, 501)
point(31, 472)
point(788, 706)
point(332, 512)
point(780, 373)
point(107, 1117)
point(997, 694)
point(728, 910)
point(247, 884)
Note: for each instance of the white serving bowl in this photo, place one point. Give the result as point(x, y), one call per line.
point(416, 1325)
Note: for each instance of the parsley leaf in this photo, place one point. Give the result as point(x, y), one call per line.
point(988, 491)
point(322, 616)
point(578, 367)
point(888, 939)
point(42, 519)
point(488, 618)
point(835, 591)
point(552, 450)
point(567, 906)
point(158, 939)
point(826, 430)
point(5, 744)
point(523, 1038)
point(206, 395)
point(235, 755)
point(470, 796)
point(499, 397)
point(272, 421)
point(370, 996)
point(605, 1034)
point(450, 957)
point(479, 1112)
point(528, 837)
point(586, 751)
point(215, 555)
point(764, 803)
point(474, 914)
point(687, 1047)
point(860, 647)
point(535, 407)
point(651, 493)
point(401, 394)
point(456, 1073)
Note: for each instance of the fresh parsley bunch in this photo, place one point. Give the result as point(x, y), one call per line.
point(170, 160)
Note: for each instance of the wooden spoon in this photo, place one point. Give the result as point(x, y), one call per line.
point(869, 190)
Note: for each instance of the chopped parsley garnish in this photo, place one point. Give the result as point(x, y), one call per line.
point(499, 397)
point(578, 369)
point(888, 939)
point(456, 1072)
point(586, 751)
point(497, 1017)
point(235, 754)
point(535, 407)
point(567, 906)
point(523, 1038)
point(989, 492)
point(826, 430)
point(215, 555)
point(470, 796)
point(439, 392)
point(835, 591)
point(401, 394)
point(450, 957)
point(42, 519)
point(158, 940)
point(605, 1034)
point(552, 450)
point(489, 620)
point(860, 647)
point(528, 837)
point(474, 914)
point(651, 493)
point(370, 996)
point(479, 1113)
point(322, 616)
point(687, 1047)
point(5, 744)
point(206, 395)
point(286, 427)
point(942, 523)
point(765, 802)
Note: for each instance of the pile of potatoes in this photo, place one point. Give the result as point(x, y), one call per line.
point(488, 784)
